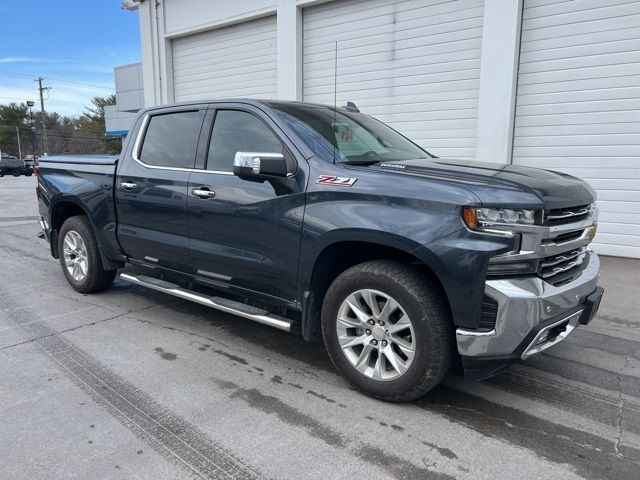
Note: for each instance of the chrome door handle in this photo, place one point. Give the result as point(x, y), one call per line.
point(128, 185)
point(203, 193)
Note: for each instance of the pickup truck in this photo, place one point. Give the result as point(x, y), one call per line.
point(329, 224)
point(10, 165)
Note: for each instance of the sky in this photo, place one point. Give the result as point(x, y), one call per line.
point(72, 44)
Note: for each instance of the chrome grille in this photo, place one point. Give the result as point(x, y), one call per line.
point(559, 216)
point(552, 267)
point(565, 237)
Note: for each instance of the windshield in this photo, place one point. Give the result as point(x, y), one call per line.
point(348, 137)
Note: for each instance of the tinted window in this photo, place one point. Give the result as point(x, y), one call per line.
point(171, 140)
point(236, 131)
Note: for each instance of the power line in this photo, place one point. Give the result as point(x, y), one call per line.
point(62, 81)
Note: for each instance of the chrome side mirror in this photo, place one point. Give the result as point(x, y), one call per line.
point(258, 166)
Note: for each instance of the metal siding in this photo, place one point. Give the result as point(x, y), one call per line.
point(578, 105)
point(235, 61)
point(413, 64)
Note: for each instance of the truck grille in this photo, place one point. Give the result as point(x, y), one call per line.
point(562, 268)
point(565, 237)
point(559, 216)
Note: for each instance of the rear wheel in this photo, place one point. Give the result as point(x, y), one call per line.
point(80, 257)
point(387, 329)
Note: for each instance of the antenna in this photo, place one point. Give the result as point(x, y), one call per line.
point(335, 99)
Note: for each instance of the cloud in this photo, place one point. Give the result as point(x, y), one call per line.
point(17, 59)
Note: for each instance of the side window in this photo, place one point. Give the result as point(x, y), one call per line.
point(171, 140)
point(236, 131)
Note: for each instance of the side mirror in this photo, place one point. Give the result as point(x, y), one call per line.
point(257, 167)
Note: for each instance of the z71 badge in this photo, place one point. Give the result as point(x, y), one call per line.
point(337, 181)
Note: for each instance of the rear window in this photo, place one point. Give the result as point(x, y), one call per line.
point(171, 140)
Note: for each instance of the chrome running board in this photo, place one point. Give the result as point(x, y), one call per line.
point(222, 304)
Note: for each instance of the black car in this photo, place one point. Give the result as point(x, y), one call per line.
point(10, 165)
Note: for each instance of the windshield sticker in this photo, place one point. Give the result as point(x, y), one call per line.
point(337, 181)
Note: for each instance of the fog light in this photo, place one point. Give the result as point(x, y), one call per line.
point(543, 338)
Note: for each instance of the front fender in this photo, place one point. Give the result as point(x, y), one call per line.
point(431, 232)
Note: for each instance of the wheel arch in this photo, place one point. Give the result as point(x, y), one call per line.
point(340, 254)
point(65, 208)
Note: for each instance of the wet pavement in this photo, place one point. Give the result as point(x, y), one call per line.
point(131, 383)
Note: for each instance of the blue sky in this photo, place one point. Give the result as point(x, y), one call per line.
point(73, 44)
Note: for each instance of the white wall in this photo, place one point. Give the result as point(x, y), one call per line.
point(160, 23)
point(187, 16)
point(129, 87)
point(115, 120)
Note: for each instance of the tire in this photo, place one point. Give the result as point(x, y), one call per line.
point(95, 277)
point(430, 335)
point(16, 173)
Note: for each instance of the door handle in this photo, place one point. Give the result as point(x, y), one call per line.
point(128, 185)
point(203, 192)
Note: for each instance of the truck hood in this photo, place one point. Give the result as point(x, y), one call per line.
point(492, 182)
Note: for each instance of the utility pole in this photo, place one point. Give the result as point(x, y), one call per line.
point(19, 147)
point(33, 129)
point(41, 89)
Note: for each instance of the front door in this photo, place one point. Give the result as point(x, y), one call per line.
point(151, 189)
point(245, 234)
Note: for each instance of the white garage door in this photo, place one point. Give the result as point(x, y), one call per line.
point(414, 64)
point(578, 105)
point(235, 61)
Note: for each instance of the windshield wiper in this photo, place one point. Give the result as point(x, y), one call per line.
point(360, 162)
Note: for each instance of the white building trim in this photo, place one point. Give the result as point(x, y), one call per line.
point(498, 80)
point(289, 21)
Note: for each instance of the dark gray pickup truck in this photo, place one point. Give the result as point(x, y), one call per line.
point(328, 223)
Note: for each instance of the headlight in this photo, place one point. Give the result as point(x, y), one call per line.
point(485, 218)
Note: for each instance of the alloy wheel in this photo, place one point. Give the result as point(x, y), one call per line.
point(376, 334)
point(75, 255)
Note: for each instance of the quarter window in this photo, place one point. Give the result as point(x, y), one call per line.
point(237, 131)
point(171, 140)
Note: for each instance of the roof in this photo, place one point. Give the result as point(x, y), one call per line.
point(248, 101)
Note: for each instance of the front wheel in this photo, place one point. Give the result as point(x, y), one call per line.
point(80, 257)
point(387, 329)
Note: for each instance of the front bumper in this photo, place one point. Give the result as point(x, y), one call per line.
point(529, 310)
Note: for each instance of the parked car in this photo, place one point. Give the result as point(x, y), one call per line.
point(328, 223)
point(10, 165)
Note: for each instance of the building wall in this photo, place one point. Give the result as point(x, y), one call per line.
point(117, 123)
point(162, 23)
point(129, 87)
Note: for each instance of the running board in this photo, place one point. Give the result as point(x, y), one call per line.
point(222, 304)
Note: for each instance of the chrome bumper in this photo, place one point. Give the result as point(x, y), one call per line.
point(524, 304)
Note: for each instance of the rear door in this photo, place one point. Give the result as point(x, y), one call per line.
point(151, 187)
point(245, 234)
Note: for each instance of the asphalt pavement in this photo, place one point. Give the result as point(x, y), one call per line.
point(131, 383)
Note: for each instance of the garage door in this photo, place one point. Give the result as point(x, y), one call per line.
point(414, 64)
point(578, 105)
point(235, 61)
